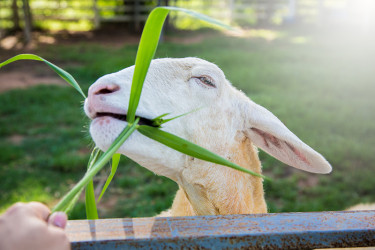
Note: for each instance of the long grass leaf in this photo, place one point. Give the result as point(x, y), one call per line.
point(189, 148)
point(91, 209)
point(147, 47)
point(146, 51)
point(158, 121)
point(73, 202)
point(62, 73)
point(115, 161)
point(128, 130)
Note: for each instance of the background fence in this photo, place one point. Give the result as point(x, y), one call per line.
point(90, 14)
point(68, 14)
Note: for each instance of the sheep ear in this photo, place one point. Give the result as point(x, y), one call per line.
point(268, 133)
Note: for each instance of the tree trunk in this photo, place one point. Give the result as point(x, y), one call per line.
point(28, 21)
point(15, 16)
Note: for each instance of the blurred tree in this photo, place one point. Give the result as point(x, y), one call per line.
point(15, 16)
point(27, 20)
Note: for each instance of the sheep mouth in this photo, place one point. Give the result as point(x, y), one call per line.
point(123, 117)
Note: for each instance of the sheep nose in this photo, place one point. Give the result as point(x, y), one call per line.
point(103, 89)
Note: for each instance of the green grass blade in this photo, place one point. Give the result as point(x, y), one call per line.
point(147, 47)
point(62, 73)
point(63, 203)
point(91, 209)
point(146, 51)
point(115, 161)
point(68, 207)
point(189, 148)
point(73, 202)
point(158, 121)
point(160, 116)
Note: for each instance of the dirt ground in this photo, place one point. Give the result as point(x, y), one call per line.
point(23, 77)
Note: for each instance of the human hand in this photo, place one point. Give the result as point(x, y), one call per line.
point(32, 226)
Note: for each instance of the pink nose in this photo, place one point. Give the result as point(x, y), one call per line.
point(103, 89)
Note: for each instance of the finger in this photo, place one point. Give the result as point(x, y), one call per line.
point(15, 208)
point(40, 210)
point(59, 239)
point(58, 219)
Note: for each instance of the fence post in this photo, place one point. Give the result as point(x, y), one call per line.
point(292, 10)
point(28, 20)
point(96, 14)
point(231, 11)
point(137, 23)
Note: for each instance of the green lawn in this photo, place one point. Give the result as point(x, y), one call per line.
point(320, 85)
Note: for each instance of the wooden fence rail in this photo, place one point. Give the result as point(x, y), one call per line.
point(265, 231)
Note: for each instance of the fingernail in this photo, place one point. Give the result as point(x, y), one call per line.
point(58, 219)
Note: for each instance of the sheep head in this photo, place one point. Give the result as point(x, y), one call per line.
point(177, 86)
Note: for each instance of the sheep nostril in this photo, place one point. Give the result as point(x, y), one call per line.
point(103, 91)
point(107, 89)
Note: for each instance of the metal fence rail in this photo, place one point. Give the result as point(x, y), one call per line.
point(265, 231)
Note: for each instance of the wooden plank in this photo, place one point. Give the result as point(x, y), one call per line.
point(258, 15)
point(56, 8)
point(133, 1)
point(126, 8)
point(259, 6)
point(126, 18)
point(90, 7)
point(62, 18)
point(264, 231)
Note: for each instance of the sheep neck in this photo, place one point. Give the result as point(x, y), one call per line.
point(210, 189)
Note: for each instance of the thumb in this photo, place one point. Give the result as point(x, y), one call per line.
point(58, 219)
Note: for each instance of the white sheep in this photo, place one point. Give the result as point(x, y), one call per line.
point(226, 122)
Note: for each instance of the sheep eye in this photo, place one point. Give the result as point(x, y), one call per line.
point(206, 80)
